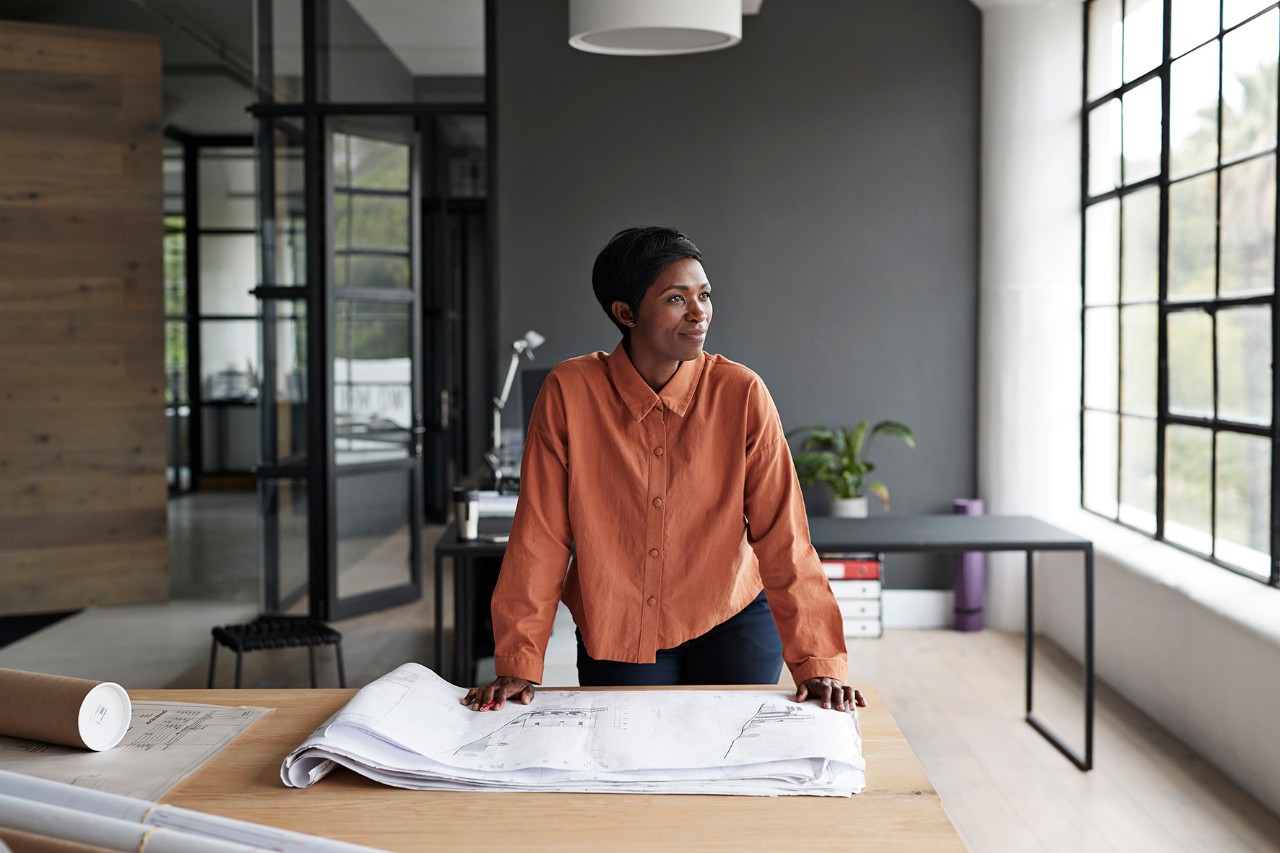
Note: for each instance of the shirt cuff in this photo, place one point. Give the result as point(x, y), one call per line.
point(837, 668)
point(513, 666)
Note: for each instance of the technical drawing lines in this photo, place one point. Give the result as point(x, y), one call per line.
point(768, 714)
point(540, 721)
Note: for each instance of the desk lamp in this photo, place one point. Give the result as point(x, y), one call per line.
point(522, 346)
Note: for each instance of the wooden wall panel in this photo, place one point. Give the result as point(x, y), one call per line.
point(82, 445)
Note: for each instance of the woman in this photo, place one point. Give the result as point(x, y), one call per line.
point(660, 476)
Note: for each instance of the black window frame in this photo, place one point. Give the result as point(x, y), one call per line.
point(1164, 418)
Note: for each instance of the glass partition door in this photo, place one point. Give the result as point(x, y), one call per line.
point(376, 337)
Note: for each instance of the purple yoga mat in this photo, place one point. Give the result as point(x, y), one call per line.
point(968, 575)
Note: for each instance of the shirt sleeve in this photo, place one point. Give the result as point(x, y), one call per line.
point(531, 580)
point(800, 597)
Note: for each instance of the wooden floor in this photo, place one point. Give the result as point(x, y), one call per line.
point(959, 699)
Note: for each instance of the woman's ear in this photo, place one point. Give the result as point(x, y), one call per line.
point(622, 311)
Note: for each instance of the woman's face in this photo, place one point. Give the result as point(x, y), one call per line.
point(674, 315)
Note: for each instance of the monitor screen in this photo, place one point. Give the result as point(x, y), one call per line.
point(530, 385)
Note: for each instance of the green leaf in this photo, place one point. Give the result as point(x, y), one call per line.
point(836, 456)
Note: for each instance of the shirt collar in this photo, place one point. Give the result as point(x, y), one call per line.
point(639, 398)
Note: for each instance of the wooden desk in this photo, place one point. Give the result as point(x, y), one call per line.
point(899, 807)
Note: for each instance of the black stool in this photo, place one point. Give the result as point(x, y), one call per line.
point(277, 632)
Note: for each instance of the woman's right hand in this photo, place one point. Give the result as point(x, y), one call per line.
point(494, 696)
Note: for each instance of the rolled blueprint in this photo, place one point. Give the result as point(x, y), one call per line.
point(29, 842)
point(57, 709)
point(97, 831)
point(175, 822)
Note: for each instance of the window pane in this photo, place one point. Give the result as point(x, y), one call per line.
point(1102, 253)
point(1193, 22)
point(374, 270)
point(228, 272)
point(1104, 47)
point(1235, 11)
point(175, 266)
point(380, 222)
point(1142, 132)
point(1249, 87)
point(372, 387)
point(285, 364)
point(373, 513)
point(1188, 509)
point(1244, 364)
point(173, 168)
point(376, 164)
point(1138, 473)
point(1101, 437)
point(228, 361)
point(1243, 502)
point(1193, 111)
point(175, 363)
point(341, 224)
point(284, 220)
point(1143, 36)
point(227, 188)
point(1193, 237)
point(285, 53)
point(1191, 363)
point(1101, 368)
point(284, 504)
point(1104, 147)
point(1248, 226)
point(1138, 360)
point(1140, 246)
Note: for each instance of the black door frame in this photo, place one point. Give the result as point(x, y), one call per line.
point(318, 468)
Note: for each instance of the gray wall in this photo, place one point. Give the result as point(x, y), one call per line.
point(828, 169)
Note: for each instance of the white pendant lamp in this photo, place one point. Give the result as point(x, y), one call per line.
point(654, 27)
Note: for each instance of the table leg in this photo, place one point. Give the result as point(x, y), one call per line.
point(1088, 657)
point(461, 621)
point(439, 605)
point(1084, 762)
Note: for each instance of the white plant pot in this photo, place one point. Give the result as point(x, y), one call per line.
point(849, 507)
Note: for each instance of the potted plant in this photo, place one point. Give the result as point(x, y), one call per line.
point(837, 457)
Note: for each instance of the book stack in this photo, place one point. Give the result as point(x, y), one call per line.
point(857, 581)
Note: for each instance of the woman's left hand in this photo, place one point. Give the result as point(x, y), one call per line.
point(830, 691)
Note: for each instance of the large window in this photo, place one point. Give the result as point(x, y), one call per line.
point(1179, 402)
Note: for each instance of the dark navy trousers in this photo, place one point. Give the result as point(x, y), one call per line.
point(745, 649)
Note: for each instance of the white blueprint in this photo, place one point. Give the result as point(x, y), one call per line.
point(166, 741)
point(408, 729)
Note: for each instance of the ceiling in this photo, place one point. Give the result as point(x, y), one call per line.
point(208, 44)
point(436, 38)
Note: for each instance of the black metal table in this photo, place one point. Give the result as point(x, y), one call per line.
point(986, 533)
point(881, 534)
point(463, 554)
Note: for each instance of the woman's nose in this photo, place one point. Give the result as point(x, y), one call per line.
point(696, 311)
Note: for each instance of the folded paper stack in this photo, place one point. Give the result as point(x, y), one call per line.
point(408, 729)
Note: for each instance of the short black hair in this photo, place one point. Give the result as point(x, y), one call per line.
point(632, 260)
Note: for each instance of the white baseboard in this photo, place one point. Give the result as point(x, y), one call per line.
point(918, 608)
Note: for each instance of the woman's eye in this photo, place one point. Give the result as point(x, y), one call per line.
point(705, 295)
point(676, 298)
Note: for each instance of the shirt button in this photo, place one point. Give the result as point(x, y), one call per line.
point(652, 601)
point(657, 501)
point(657, 451)
point(653, 552)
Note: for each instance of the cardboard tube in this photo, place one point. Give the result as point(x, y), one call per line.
point(58, 709)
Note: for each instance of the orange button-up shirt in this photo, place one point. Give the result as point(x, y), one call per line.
point(656, 517)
